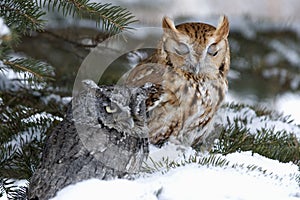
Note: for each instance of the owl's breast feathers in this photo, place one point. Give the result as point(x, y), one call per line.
point(183, 103)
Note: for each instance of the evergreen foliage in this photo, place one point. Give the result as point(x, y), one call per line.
point(30, 102)
point(279, 145)
point(236, 136)
point(22, 16)
point(276, 145)
point(166, 164)
point(111, 18)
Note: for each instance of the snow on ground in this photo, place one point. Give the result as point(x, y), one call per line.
point(270, 180)
point(289, 104)
point(246, 176)
point(255, 123)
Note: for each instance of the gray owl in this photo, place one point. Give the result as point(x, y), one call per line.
point(104, 135)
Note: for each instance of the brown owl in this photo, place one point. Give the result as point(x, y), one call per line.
point(190, 67)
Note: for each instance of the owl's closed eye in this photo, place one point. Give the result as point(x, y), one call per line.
point(191, 65)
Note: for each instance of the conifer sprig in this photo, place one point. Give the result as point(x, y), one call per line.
point(112, 19)
point(30, 103)
point(236, 137)
point(34, 70)
point(22, 16)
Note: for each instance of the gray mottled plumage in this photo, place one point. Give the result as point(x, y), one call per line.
point(104, 135)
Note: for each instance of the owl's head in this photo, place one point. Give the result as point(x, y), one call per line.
point(197, 47)
point(114, 107)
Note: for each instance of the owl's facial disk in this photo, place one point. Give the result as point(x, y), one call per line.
point(196, 47)
point(116, 107)
point(117, 114)
point(123, 109)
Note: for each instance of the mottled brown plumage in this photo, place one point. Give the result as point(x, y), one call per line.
point(190, 65)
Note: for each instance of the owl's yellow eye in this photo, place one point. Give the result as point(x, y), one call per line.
point(111, 109)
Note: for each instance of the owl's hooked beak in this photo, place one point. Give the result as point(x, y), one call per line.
point(194, 69)
point(130, 122)
point(203, 67)
point(125, 119)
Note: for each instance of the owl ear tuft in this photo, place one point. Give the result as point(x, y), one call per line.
point(89, 84)
point(168, 24)
point(222, 30)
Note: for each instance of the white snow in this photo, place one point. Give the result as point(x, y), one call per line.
point(55, 98)
point(11, 80)
point(247, 176)
point(4, 30)
point(7, 82)
point(289, 104)
point(97, 189)
point(270, 180)
point(170, 151)
point(249, 119)
point(16, 183)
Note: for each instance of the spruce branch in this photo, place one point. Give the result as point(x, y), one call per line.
point(6, 185)
point(28, 112)
point(25, 123)
point(279, 145)
point(20, 153)
point(167, 164)
point(34, 70)
point(21, 15)
point(13, 191)
point(112, 19)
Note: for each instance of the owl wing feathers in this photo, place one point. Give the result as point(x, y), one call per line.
point(192, 82)
point(65, 161)
point(179, 103)
point(145, 73)
point(79, 149)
